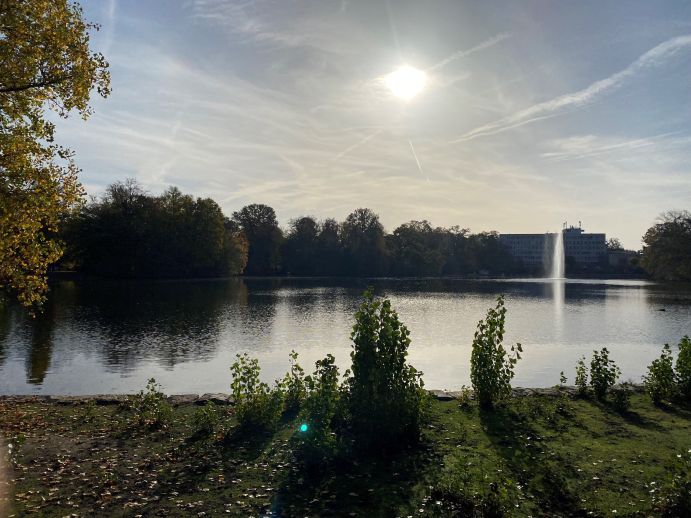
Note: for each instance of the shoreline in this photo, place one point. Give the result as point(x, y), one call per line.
point(221, 398)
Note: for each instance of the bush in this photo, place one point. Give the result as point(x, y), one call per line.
point(683, 368)
point(582, 377)
point(385, 395)
point(317, 439)
point(660, 380)
point(206, 419)
point(293, 385)
point(491, 369)
point(150, 408)
point(603, 373)
point(563, 405)
point(257, 406)
point(621, 397)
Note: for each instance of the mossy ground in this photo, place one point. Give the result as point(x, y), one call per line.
point(533, 456)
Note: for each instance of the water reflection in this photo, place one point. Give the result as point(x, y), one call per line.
point(111, 336)
point(39, 356)
point(168, 321)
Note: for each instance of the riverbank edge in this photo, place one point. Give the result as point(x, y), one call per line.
point(220, 398)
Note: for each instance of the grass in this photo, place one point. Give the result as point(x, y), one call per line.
point(533, 456)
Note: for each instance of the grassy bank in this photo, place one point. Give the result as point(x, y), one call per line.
point(535, 455)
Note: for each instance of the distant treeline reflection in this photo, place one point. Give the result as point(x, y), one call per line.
point(129, 233)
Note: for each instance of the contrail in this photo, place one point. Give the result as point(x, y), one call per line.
point(651, 59)
point(463, 53)
point(356, 145)
point(416, 160)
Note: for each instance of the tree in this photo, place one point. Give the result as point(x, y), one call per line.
point(362, 236)
point(330, 257)
point(667, 247)
point(45, 62)
point(259, 224)
point(417, 250)
point(128, 233)
point(614, 243)
point(300, 249)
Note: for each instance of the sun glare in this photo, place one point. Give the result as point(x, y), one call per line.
point(406, 82)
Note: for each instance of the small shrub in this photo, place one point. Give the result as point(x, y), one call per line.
point(621, 397)
point(660, 382)
point(206, 419)
point(293, 385)
point(150, 408)
point(317, 439)
point(683, 368)
point(603, 373)
point(465, 397)
point(257, 406)
point(491, 368)
point(386, 400)
point(563, 405)
point(582, 377)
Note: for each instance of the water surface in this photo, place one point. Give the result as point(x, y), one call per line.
point(101, 336)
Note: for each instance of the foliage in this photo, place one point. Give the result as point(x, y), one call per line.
point(364, 245)
point(464, 397)
point(206, 419)
point(385, 395)
point(260, 227)
point(294, 385)
point(603, 373)
point(667, 247)
point(257, 406)
point(128, 233)
point(563, 404)
point(300, 248)
point(491, 369)
point(673, 499)
point(318, 441)
point(621, 397)
point(660, 380)
point(614, 243)
point(45, 62)
point(150, 408)
point(683, 368)
point(582, 377)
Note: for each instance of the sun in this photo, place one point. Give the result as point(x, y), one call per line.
point(406, 82)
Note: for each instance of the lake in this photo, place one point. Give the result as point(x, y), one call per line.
point(100, 336)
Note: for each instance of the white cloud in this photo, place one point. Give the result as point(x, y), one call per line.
point(654, 57)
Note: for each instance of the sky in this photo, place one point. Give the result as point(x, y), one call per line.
point(534, 113)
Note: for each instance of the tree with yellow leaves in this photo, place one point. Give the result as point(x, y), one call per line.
point(45, 64)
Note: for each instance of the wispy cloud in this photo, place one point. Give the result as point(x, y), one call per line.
point(589, 146)
point(279, 24)
point(463, 53)
point(654, 57)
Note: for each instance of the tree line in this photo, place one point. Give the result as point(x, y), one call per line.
point(129, 233)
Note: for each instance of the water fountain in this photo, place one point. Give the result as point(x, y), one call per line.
point(558, 262)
